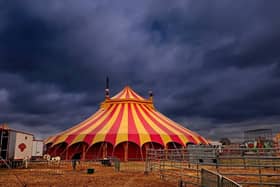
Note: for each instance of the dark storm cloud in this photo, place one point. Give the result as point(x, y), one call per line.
point(211, 65)
point(36, 105)
point(36, 49)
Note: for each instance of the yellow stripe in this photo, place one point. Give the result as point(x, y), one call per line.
point(120, 95)
point(129, 94)
point(164, 136)
point(100, 136)
point(143, 134)
point(180, 127)
point(181, 136)
point(78, 138)
point(189, 132)
point(62, 138)
point(122, 134)
point(126, 93)
point(84, 123)
point(137, 96)
point(49, 139)
point(68, 132)
point(123, 94)
point(83, 134)
point(63, 135)
point(117, 96)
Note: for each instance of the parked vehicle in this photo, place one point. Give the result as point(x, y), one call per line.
point(18, 145)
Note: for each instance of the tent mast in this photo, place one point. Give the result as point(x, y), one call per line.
point(107, 91)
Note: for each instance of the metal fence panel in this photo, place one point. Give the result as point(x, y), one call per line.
point(213, 179)
point(209, 178)
point(225, 182)
point(260, 166)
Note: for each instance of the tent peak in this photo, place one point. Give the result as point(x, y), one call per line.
point(126, 95)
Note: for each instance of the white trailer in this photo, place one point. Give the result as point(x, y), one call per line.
point(18, 145)
point(37, 148)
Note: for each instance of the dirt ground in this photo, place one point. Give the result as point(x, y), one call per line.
point(131, 174)
point(40, 175)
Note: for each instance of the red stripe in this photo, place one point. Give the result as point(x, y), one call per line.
point(55, 139)
point(188, 135)
point(173, 136)
point(155, 137)
point(133, 135)
point(72, 136)
point(90, 136)
point(116, 96)
point(135, 95)
point(202, 140)
point(121, 95)
point(126, 94)
point(112, 133)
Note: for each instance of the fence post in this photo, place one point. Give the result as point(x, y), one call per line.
point(197, 172)
point(259, 164)
point(160, 169)
point(180, 183)
point(220, 180)
point(202, 182)
point(147, 162)
point(244, 161)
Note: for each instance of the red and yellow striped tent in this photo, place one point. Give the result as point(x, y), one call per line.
point(124, 127)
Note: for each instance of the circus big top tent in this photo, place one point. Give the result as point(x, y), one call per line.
point(124, 127)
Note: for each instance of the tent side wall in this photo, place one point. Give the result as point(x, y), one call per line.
point(94, 152)
point(58, 150)
point(128, 151)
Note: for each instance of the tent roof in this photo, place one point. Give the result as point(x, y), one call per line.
point(128, 93)
point(127, 117)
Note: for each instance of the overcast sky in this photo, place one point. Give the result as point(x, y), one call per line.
point(214, 66)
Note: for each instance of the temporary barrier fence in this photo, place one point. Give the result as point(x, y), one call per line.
point(260, 165)
point(213, 179)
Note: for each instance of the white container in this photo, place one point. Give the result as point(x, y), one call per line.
point(37, 148)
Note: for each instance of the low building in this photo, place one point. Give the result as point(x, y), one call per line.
point(258, 138)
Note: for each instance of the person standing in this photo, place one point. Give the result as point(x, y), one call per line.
point(76, 158)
